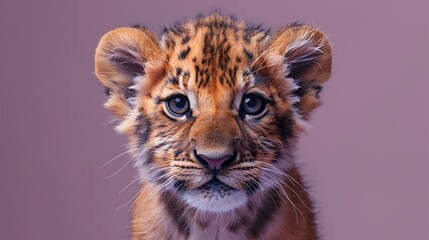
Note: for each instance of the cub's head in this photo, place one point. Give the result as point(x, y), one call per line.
point(213, 108)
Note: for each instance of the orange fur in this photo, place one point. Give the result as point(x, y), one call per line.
point(217, 170)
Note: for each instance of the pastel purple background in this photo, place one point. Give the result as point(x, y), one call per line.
point(366, 156)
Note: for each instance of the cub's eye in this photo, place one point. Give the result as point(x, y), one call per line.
point(253, 104)
point(178, 105)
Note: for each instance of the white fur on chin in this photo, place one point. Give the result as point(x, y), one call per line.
point(215, 201)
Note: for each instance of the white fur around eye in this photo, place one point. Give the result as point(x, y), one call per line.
point(238, 98)
point(192, 100)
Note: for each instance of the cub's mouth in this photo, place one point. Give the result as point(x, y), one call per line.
point(215, 196)
point(212, 185)
point(216, 185)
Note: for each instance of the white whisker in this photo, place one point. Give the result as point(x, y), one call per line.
point(110, 176)
point(111, 160)
point(129, 184)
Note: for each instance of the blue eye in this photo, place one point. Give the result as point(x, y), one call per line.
point(178, 105)
point(253, 104)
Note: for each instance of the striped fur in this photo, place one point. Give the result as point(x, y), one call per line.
point(215, 62)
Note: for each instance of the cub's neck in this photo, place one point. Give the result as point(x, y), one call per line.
point(277, 213)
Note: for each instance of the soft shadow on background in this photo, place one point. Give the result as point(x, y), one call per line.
point(366, 156)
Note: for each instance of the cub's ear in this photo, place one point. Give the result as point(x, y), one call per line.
point(120, 60)
point(306, 53)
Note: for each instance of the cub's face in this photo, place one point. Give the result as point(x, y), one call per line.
point(212, 110)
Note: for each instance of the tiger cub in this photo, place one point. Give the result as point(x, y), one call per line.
point(213, 109)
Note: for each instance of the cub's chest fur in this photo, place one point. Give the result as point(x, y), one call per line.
point(212, 110)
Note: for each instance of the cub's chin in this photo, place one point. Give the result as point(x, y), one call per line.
point(215, 197)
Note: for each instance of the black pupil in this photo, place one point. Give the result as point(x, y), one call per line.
point(251, 102)
point(180, 102)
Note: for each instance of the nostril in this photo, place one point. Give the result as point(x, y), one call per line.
point(214, 163)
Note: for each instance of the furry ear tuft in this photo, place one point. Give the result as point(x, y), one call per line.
point(120, 58)
point(307, 56)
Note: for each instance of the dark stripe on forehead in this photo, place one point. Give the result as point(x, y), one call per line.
point(186, 76)
point(206, 81)
point(183, 54)
point(186, 39)
point(208, 47)
point(205, 77)
point(197, 72)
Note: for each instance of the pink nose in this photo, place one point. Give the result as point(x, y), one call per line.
point(213, 163)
